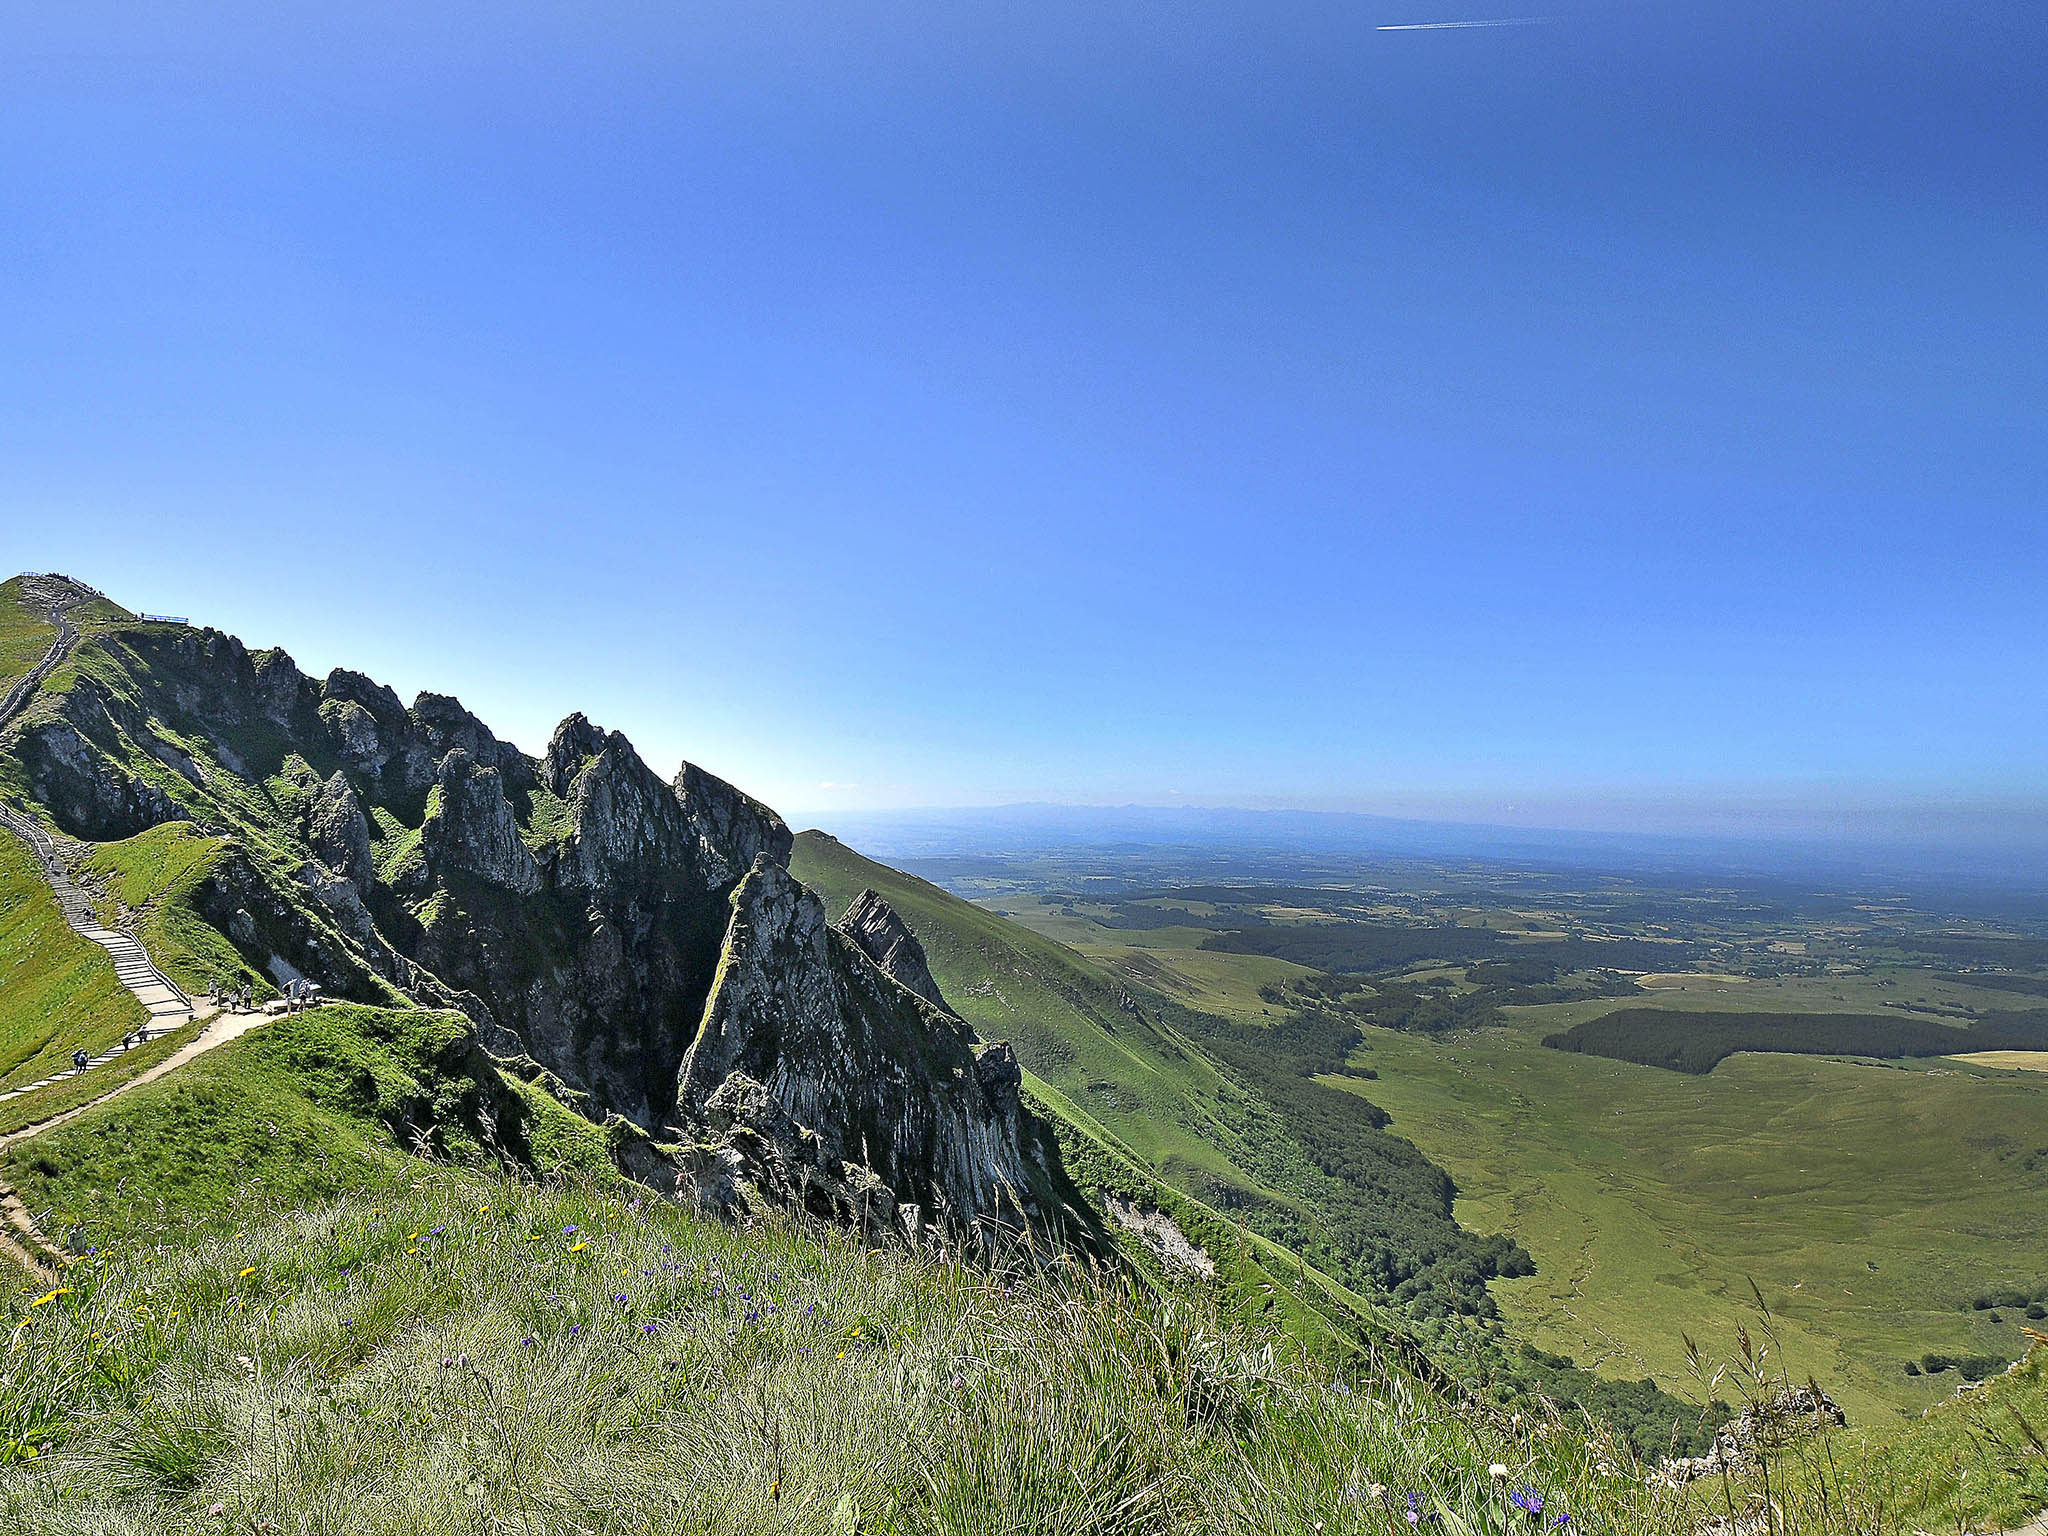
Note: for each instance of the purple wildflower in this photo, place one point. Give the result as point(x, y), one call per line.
point(1527, 1500)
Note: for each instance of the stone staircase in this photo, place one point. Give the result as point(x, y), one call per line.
point(166, 1003)
point(57, 596)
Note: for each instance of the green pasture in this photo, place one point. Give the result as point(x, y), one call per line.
point(1867, 1203)
point(1650, 1198)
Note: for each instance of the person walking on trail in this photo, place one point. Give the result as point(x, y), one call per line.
point(79, 1059)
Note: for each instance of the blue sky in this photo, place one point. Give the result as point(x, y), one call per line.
point(1639, 415)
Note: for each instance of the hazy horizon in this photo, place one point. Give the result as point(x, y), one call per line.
point(1995, 848)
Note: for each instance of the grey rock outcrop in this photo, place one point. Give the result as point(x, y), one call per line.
point(885, 939)
point(830, 1084)
point(474, 831)
point(1792, 1414)
point(339, 832)
point(626, 826)
point(445, 726)
point(90, 793)
point(731, 828)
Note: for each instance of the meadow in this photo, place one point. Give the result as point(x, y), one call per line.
point(1868, 1203)
point(441, 1350)
point(437, 1351)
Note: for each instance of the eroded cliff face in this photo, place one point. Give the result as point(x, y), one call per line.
point(826, 1082)
point(642, 940)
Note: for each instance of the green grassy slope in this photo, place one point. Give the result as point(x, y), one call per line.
point(480, 1355)
point(1977, 1461)
point(72, 1090)
point(150, 879)
point(25, 636)
point(57, 991)
point(307, 1107)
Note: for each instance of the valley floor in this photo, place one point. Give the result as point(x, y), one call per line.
point(1868, 1202)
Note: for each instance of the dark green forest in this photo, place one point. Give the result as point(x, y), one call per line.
point(1698, 1042)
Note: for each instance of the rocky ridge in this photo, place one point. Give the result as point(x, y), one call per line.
point(640, 940)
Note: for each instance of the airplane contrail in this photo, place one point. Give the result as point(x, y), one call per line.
point(1448, 26)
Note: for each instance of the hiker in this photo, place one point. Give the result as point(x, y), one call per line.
point(79, 1059)
point(248, 996)
point(125, 1039)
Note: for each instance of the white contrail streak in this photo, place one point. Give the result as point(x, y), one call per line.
point(1450, 26)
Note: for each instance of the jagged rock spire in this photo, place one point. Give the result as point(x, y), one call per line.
point(886, 939)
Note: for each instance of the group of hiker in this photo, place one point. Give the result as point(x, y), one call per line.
point(81, 1058)
point(236, 999)
point(299, 994)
